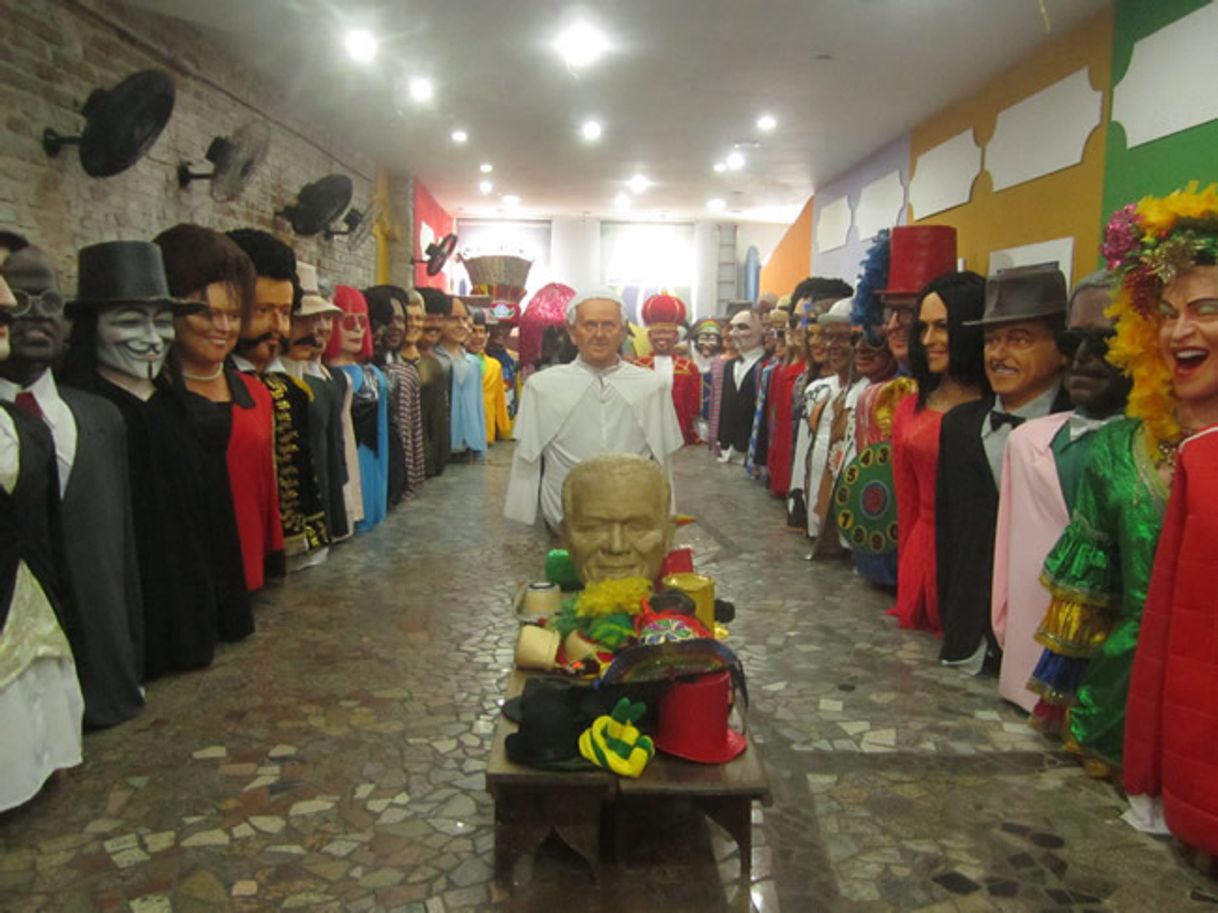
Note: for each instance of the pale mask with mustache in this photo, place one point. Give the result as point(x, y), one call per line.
point(133, 339)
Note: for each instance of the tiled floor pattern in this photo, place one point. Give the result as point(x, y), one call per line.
point(334, 761)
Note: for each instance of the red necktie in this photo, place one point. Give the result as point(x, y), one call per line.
point(26, 403)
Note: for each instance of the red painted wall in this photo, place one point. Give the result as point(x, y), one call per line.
point(428, 212)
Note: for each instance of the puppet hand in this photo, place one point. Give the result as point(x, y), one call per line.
point(615, 743)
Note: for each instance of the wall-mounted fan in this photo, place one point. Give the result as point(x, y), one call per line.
point(437, 254)
point(121, 124)
point(358, 225)
point(319, 204)
point(236, 158)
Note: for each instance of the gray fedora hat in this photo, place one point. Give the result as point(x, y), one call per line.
point(1023, 293)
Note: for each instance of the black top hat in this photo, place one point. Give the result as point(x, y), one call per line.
point(124, 272)
point(1023, 293)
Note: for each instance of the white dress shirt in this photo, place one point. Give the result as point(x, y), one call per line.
point(56, 414)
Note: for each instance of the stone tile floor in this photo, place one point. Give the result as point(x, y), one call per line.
point(334, 761)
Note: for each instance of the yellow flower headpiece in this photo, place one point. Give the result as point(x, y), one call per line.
point(1147, 245)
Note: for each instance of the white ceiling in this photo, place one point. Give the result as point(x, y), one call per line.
point(686, 79)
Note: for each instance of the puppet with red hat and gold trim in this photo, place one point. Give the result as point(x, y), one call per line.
point(663, 315)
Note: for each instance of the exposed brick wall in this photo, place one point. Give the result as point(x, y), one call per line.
point(53, 54)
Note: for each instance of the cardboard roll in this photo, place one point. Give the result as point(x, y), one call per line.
point(121, 124)
point(320, 203)
point(235, 158)
point(864, 502)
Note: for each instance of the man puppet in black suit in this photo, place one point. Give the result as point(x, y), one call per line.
point(1025, 309)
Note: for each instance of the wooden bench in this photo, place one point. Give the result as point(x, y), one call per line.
point(582, 807)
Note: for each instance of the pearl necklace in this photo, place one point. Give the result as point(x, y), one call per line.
point(215, 374)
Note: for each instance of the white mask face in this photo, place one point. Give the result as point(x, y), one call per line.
point(133, 339)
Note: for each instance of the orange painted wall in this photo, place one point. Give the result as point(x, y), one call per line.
point(791, 260)
point(1064, 203)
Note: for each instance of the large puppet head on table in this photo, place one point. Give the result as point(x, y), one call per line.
point(617, 517)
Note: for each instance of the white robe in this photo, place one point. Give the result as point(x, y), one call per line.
point(571, 412)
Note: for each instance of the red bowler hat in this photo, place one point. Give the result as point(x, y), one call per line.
point(692, 718)
point(917, 254)
point(663, 310)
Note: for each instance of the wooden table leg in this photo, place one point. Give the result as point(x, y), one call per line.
point(524, 817)
point(735, 815)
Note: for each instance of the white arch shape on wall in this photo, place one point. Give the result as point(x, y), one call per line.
point(833, 224)
point(943, 176)
point(880, 205)
point(1059, 250)
point(1171, 80)
point(1044, 132)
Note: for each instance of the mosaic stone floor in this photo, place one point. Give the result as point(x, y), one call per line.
point(334, 761)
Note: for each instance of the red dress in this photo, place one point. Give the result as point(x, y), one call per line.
point(915, 461)
point(251, 476)
point(782, 427)
point(1171, 725)
point(686, 392)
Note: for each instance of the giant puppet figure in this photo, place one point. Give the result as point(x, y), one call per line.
point(663, 315)
point(739, 385)
point(262, 339)
point(105, 621)
point(596, 404)
point(231, 411)
point(122, 330)
point(1025, 309)
point(40, 699)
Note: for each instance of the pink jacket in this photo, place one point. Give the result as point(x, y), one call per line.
point(1031, 517)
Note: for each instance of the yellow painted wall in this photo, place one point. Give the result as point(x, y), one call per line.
point(1065, 203)
point(791, 260)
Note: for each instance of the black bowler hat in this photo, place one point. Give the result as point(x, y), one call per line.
point(124, 272)
point(1023, 293)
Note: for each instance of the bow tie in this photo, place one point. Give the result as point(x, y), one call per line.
point(998, 419)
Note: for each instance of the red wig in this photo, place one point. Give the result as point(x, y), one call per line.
point(350, 301)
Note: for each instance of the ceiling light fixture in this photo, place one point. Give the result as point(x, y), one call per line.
point(766, 123)
point(720, 167)
point(510, 199)
point(622, 201)
point(716, 204)
point(485, 187)
point(361, 45)
point(459, 136)
point(422, 90)
point(591, 131)
point(581, 45)
point(638, 183)
point(486, 167)
point(735, 160)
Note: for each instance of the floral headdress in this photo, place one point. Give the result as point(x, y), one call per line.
point(1147, 245)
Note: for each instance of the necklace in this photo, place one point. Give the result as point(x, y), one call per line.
point(215, 374)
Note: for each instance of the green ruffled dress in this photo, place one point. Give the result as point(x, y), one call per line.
point(1098, 574)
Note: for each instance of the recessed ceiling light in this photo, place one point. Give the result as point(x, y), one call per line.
point(638, 183)
point(581, 45)
point(622, 201)
point(716, 204)
point(591, 131)
point(485, 187)
point(421, 89)
point(510, 199)
point(735, 160)
point(459, 136)
point(361, 45)
point(486, 167)
point(766, 123)
point(720, 167)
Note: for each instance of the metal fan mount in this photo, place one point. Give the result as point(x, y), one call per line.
point(121, 124)
point(437, 254)
point(358, 225)
point(235, 158)
point(319, 204)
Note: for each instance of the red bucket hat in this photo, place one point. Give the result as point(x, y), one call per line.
point(692, 720)
point(917, 254)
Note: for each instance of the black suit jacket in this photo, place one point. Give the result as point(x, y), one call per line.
point(966, 514)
